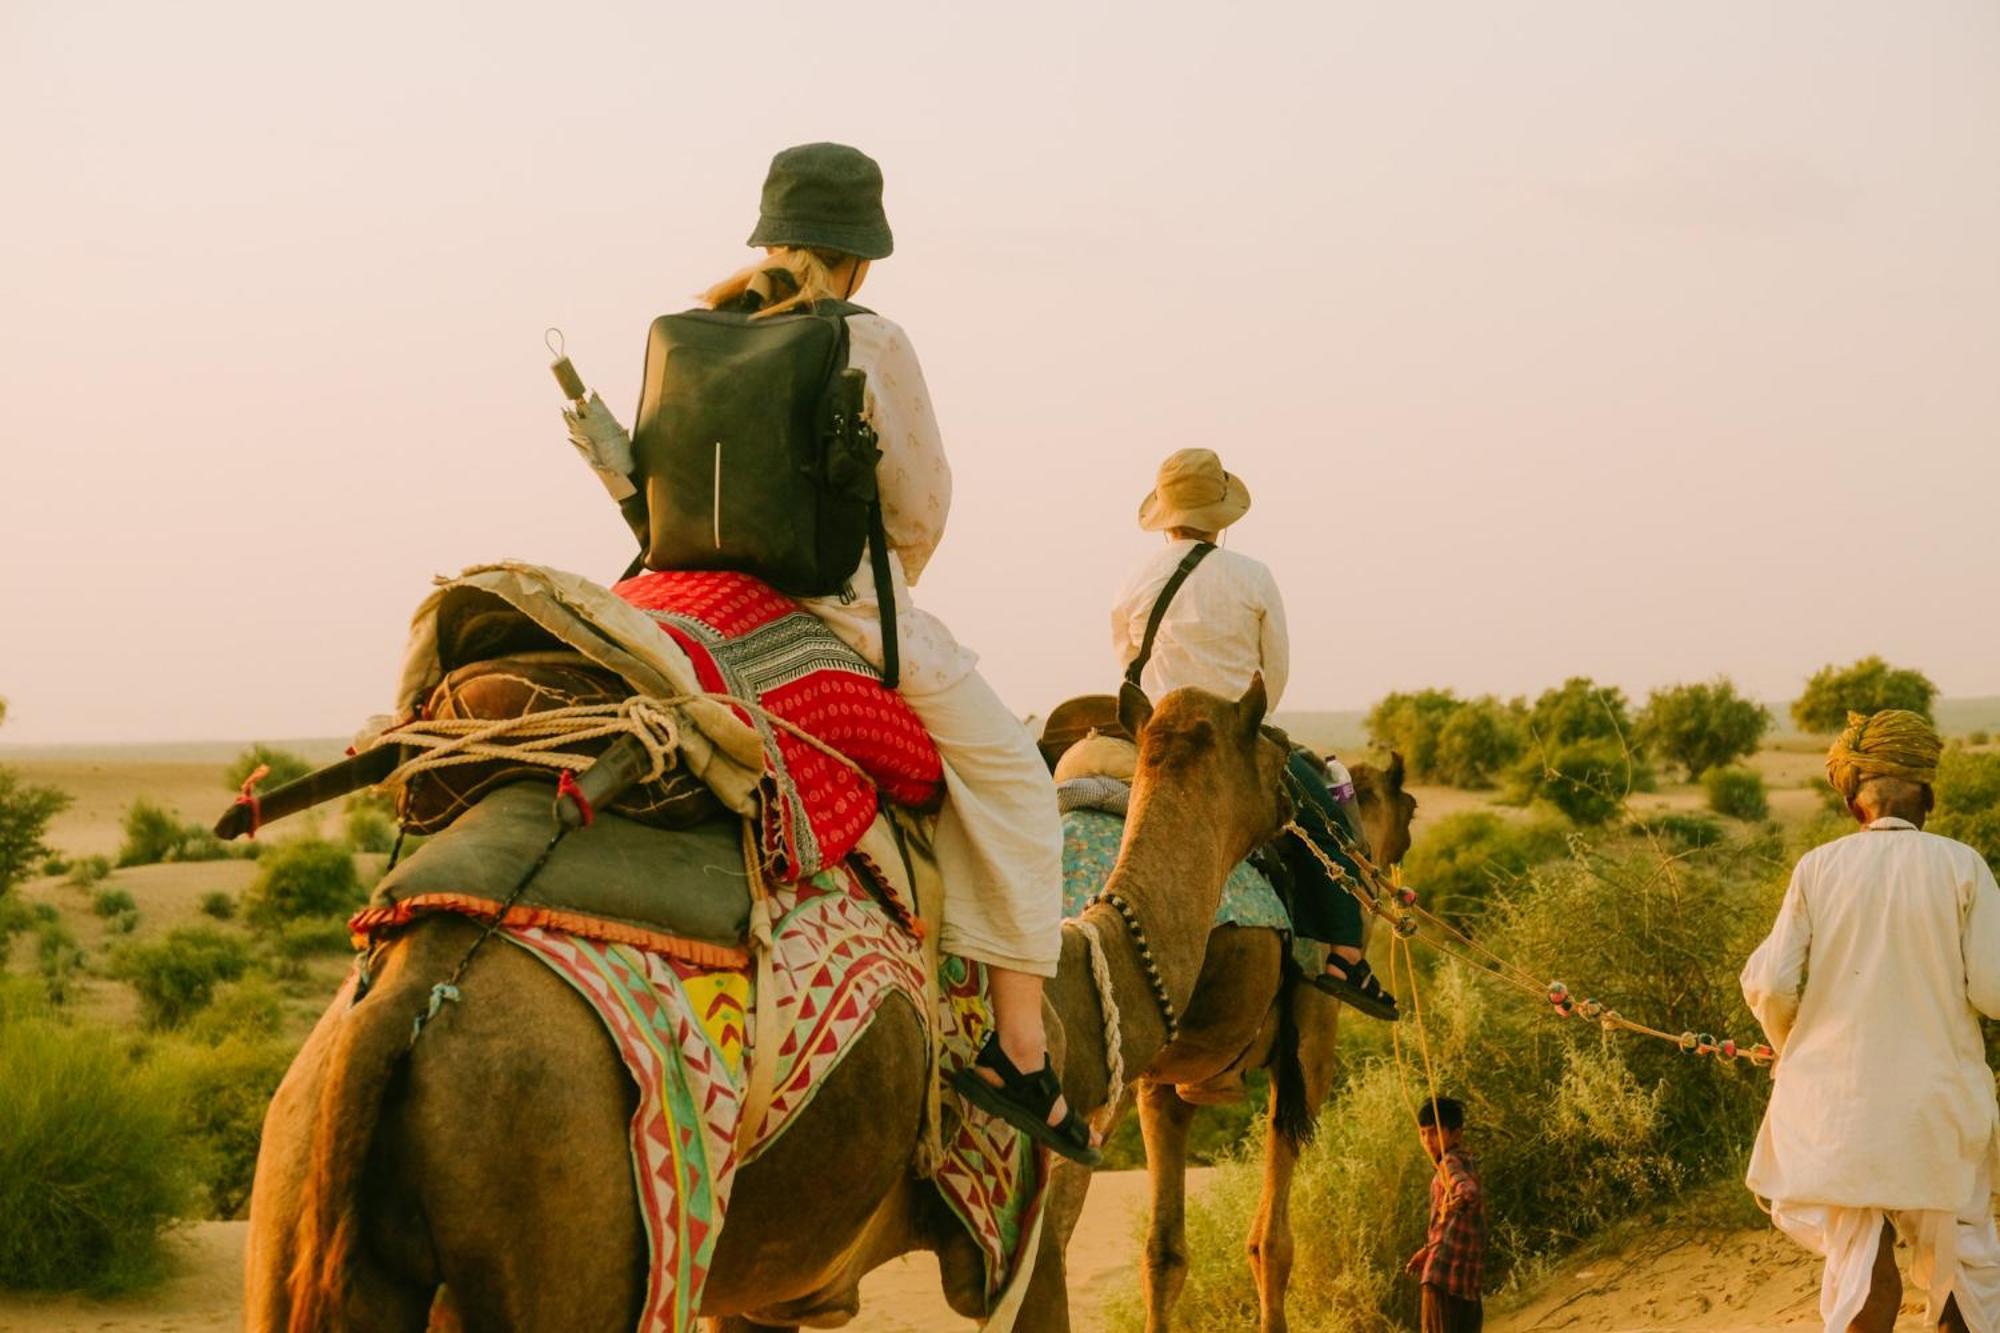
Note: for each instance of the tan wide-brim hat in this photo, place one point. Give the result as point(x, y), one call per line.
point(1194, 492)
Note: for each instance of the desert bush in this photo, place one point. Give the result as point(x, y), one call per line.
point(124, 923)
point(15, 918)
point(1458, 862)
point(154, 834)
point(55, 865)
point(223, 1090)
point(1479, 741)
point(1588, 780)
point(311, 937)
point(58, 956)
point(1580, 710)
point(1867, 686)
point(86, 871)
point(25, 812)
point(1971, 738)
point(218, 904)
point(1968, 801)
point(1684, 831)
point(110, 902)
point(177, 976)
point(1574, 1127)
point(1736, 792)
point(367, 829)
point(251, 1008)
point(90, 1172)
point(306, 877)
point(284, 766)
point(1702, 726)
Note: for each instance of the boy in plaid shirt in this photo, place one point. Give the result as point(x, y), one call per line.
point(1454, 1256)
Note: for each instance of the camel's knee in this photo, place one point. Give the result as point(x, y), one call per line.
point(1270, 1252)
point(1166, 1254)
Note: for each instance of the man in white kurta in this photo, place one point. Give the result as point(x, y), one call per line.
point(1882, 1121)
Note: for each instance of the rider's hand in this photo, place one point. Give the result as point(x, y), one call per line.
point(603, 444)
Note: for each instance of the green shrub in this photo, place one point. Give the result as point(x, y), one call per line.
point(1481, 740)
point(1410, 724)
point(110, 902)
point(250, 1008)
point(90, 1169)
point(284, 767)
point(1456, 863)
point(1580, 710)
point(1971, 738)
point(25, 812)
point(1588, 781)
point(177, 976)
point(311, 938)
point(56, 865)
point(1685, 831)
point(1736, 792)
point(306, 877)
point(59, 957)
point(124, 923)
point(1701, 727)
point(154, 834)
point(369, 830)
point(224, 1090)
point(1968, 801)
point(1867, 686)
point(15, 918)
point(86, 871)
point(218, 904)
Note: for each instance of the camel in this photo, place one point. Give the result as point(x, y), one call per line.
point(1238, 1020)
point(492, 1160)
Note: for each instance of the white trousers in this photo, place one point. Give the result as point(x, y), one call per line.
point(999, 836)
point(1951, 1254)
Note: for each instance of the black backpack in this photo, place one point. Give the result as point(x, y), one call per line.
point(750, 454)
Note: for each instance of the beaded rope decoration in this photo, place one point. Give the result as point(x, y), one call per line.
point(1152, 969)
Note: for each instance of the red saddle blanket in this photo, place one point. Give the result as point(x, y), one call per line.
point(750, 641)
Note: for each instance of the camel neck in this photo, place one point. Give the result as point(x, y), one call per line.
point(1170, 872)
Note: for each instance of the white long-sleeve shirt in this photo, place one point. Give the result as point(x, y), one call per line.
point(1225, 624)
point(1884, 954)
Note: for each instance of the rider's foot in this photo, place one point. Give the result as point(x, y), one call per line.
point(1031, 1102)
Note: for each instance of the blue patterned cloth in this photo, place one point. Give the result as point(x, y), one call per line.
point(1090, 850)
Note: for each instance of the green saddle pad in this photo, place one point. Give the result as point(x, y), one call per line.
point(685, 882)
point(1090, 850)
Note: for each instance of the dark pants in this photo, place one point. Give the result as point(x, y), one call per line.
point(1446, 1313)
point(1885, 1294)
point(1321, 909)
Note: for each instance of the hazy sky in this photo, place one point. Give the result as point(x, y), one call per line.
point(1640, 340)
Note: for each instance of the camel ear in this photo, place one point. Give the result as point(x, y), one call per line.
point(1395, 771)
point(1135, 710)
point(1254, 704)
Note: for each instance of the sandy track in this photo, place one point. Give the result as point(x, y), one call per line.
point(205, 1296)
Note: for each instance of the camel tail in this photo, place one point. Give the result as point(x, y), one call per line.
point(1291, 1114)
point(371, 1043)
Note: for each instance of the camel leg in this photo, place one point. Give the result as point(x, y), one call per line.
point(1318, 1017)
point(1163, 1120)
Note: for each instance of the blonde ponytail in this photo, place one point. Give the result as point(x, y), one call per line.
point(810, 271)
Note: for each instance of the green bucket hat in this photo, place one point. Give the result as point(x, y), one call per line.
point(824, 196)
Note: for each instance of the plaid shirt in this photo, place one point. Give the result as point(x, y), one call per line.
point(1455, 1254)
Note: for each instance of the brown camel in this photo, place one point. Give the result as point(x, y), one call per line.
point(491, 1159)
point(1233, 1024)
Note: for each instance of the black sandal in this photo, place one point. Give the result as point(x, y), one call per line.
point(1359, 989)
point(1024, 1101)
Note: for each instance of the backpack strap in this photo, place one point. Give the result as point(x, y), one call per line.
point(885, 594)
point(1160, 604)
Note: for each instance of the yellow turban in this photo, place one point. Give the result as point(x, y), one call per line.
point(1894, 743)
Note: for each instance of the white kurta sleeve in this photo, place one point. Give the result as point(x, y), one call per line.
point(1775, 973)
point(1982, 942)
point(914, 477)
point(1275, 646)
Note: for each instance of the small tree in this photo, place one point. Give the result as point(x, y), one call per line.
point(25, 812)
point(1410, 724)
point(1701, 727)
point(284, 765)
point(177, 976)
point(1580, 710)
point(1968, 801)
point(1867, 686)
point(1588, 780)
point(1480, 740)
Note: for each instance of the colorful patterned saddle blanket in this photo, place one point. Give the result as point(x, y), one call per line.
point(749, 641)
point(680, 1026)
point(1090, 850)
